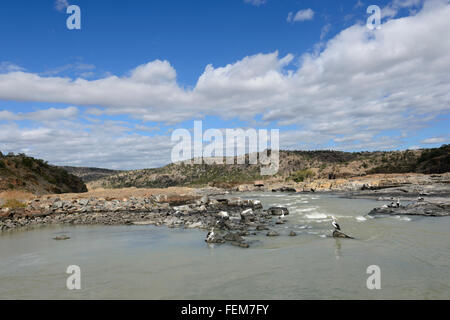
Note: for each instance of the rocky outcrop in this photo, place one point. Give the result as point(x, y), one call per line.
point(435, 208)
point(233, 219)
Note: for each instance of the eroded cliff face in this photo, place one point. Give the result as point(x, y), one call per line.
point(369, 182)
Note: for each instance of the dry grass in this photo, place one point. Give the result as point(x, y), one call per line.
point(125, 193)
point(16, 194)
point(14, 204)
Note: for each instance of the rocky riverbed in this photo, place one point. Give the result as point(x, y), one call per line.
point(233, 219)
point(417, 194)
point(427, 199)
point(434, 207)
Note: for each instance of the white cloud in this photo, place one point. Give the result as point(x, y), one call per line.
point(105, 144)
point(7, 67)
point(40, 115)
point(325, 29)
point(302, 15)
point(359, 4)
point(61, 5)
point(256, 2)
point(435, 140)
point(77, 68)
point(391, 10)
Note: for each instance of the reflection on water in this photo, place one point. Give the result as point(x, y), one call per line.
point(146, 262)
point(337, 250)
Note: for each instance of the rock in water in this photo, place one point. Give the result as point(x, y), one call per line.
point(215, 239)
point(292, 234)
point(437, 208)
point(338, 234)
point(278, 211)
point(240, 244)
point(233, 237)
point(61, 238)
point(272, 234)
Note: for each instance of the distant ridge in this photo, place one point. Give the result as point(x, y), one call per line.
point(294, 166)
point(88, 174)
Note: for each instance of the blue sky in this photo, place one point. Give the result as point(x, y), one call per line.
point(138, 69)
point(118, 35)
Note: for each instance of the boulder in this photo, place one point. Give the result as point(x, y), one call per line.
point(215, 239)
point(241, 244)
point(256, 204)
point(338, 234)
point(183, 209)
point(61, 238)
point(272, 234)
point(235, 202)
point(247, 212)
point(83, 202)
point(234, 237)
point(223, 215)
point(278, 211)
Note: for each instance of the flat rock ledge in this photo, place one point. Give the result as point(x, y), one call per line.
point(234, 217)
point(435, 208)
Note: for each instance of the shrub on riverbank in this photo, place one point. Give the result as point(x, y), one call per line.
point(302, 175)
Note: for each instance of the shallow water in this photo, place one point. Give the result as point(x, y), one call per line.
point(146, 262)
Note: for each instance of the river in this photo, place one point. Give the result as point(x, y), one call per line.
point(147, 262)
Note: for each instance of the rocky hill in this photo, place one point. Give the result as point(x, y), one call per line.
point(90, 174)
point(20, 172)
point(295, 166)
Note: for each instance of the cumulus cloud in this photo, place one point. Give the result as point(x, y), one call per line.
point(302, 15)
point(106, 144)
point(396, 79)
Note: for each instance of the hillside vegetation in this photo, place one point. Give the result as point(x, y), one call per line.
point(20, 172)
point(90, 174)
point(294, 166)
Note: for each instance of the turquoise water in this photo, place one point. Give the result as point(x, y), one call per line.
point(146, 262)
